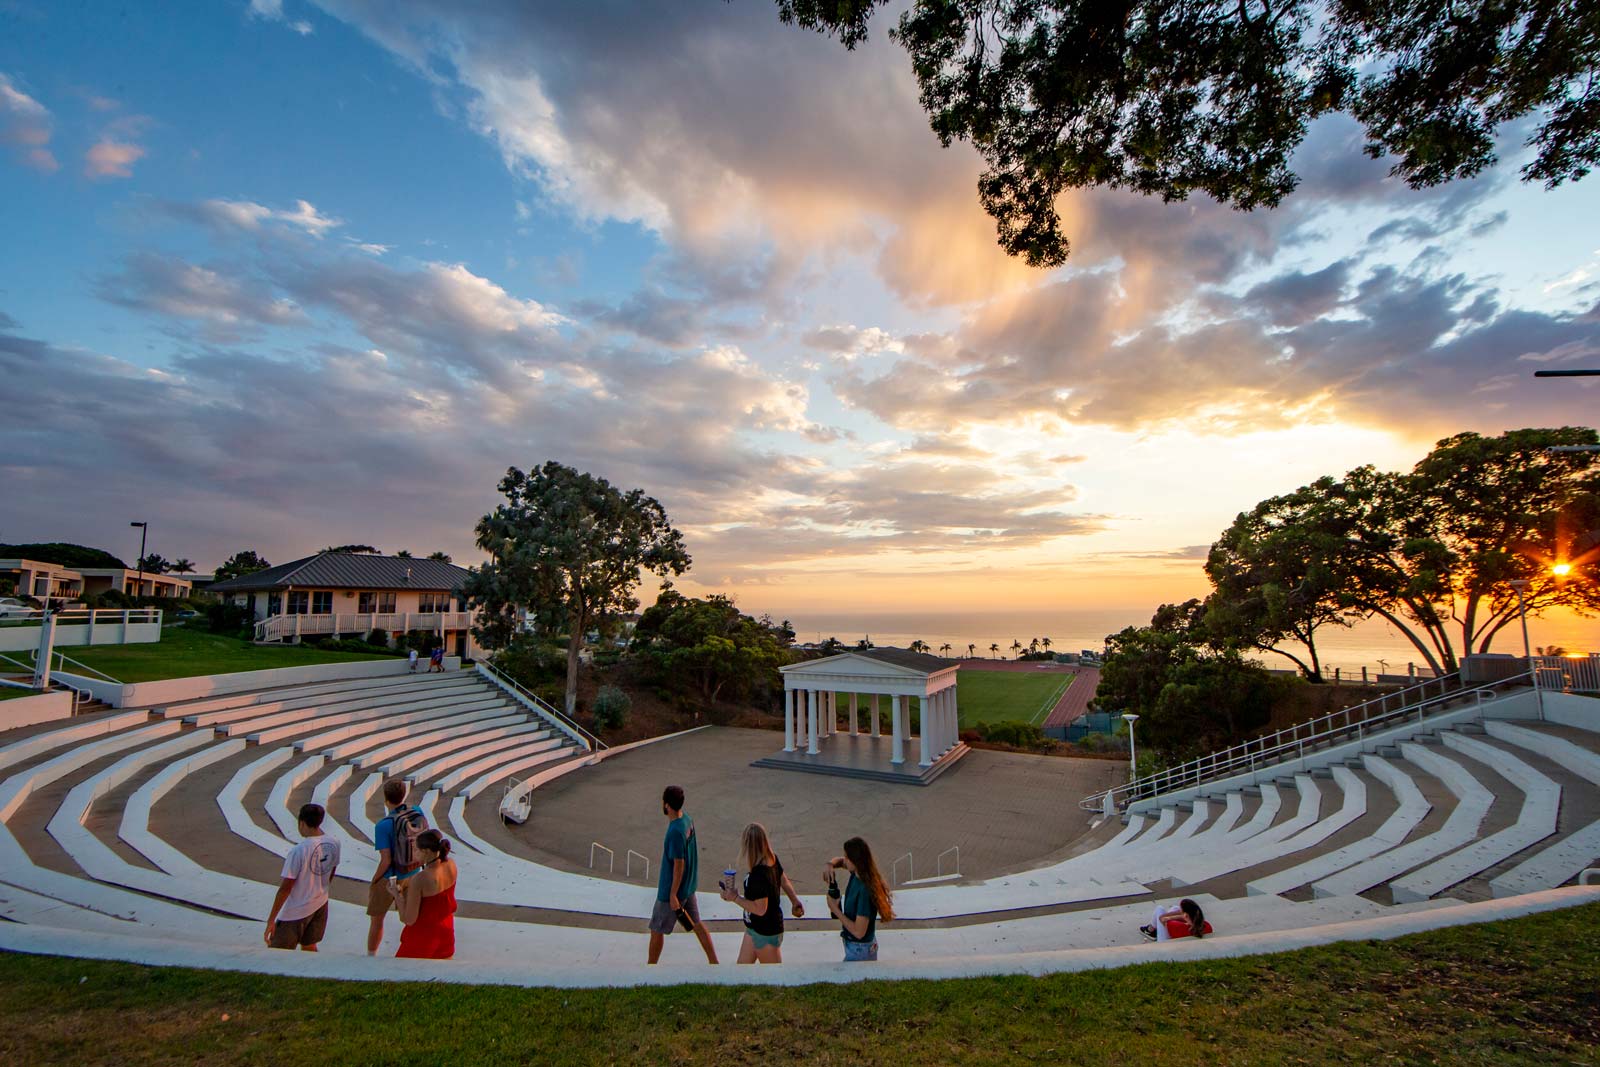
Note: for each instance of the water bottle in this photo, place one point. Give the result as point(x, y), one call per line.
point(729, 874)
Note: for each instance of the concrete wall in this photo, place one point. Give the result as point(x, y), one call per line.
point(173, 690)
point(25, 711)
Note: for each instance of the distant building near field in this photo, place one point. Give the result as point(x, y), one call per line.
point(347, 594)
point(36, 578)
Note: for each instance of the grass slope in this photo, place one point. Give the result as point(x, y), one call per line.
point(184, 653)
point(1515, 993)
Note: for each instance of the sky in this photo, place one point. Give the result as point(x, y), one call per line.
point(280, 274)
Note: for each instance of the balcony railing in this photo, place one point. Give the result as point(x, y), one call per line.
point(283, 627)
point(86, 617)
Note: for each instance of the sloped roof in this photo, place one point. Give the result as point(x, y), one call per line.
point(351, 570)
point(903, 658)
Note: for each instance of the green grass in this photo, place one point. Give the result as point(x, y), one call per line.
point(1000, 696)
point(184, 653)
point(1506, 994)
point(9, 693)
point(987, 696)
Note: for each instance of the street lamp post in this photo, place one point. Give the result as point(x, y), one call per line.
point(144, 529)
point(1521, 585)
point(1133, 756)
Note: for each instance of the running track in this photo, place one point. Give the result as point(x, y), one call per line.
point(1073, 703)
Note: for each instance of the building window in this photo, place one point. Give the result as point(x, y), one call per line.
point(367, 603)
point(434, 602)
point(322, 602)
point(386, 603)
point(274, 603)
point(299, 599)
point(381, 603)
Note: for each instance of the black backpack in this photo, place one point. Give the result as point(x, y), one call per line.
point(408, 824)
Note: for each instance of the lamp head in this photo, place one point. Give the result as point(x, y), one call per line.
point(138, 524)
point(1130, 718)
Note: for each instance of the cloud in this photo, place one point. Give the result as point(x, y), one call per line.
point(247, 216)
point(228, 304)
point(111, 159)
point(25, 126)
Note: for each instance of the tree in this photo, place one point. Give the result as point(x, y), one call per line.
point(1169, 98)
point(404, 553)
point(865, 643)
point(570, 548)
point(944, 649)
point(240, 564)
point(994, 651)
point(1016, 646)
point(972, 650)
point(439, 557)
point(1432, 552)
point(1033, 645)
point(154, 564)
point(1191, 695)
point(183, 566)
point(1045, 641)
point(358, 549)
point(919, 645)
point(709, 645)
point(61, 553)
point(1277, 576)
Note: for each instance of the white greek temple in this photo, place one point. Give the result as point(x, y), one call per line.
point(834, 709)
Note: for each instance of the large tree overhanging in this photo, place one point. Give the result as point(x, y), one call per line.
point(570, 548)
point(1170, 97)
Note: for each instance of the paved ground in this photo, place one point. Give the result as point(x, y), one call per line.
point(1004, 810)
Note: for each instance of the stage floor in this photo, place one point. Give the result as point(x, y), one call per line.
point(864, 757)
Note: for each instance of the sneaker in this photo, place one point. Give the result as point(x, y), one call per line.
point(1149, 932)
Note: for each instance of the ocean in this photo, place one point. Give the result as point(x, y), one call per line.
point(1375, 645)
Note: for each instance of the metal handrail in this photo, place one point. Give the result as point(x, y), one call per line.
point(628, 868)
point(957, 850)
point(79, 616)
point(611, 857)
point(544, 706)
point(1291, 741)
point(894, 869)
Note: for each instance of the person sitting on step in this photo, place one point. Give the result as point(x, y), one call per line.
point(1185, 920)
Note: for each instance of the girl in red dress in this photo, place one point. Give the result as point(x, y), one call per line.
point(427, 902)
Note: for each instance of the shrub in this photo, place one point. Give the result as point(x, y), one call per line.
point(378, 636)
point(611, 707)
point(223, 617)
point(969, 736)
point(534, 663)
point(1019, 734)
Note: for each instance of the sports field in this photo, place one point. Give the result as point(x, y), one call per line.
point(1008, 696)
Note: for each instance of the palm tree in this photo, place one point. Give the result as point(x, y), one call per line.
point(919, 645)
point(1033, 645)
point(945, 648)
point(1016, 646)
point(183, 566)
point(994, 651)
point(439, 557)
point(972, 650)
point(1045, 641)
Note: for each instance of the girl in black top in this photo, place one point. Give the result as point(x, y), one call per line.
point(763, 919)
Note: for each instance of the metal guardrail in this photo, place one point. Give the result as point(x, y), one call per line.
point(579, 733)
point(628, 867)
point(894, 870)
point(82, 616)
point(957, 850)
point(1293, 742)
point(611, 857)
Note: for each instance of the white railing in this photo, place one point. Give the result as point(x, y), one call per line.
point(27, 661)
point(1572, 674)
point(279, 627)
point(1414, 704)
point(85, 617)
point(586, 738)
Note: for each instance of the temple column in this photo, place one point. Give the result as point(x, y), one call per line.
point(853, 720)
point(788, 720)
point(924, 733)
point(897, 750)
point(874, 714)
point(811, 723)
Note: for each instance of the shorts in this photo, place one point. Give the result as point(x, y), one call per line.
point(662, 918)
point(860, 951)
point(379, 901)
point(295, 933)
point(761, 941)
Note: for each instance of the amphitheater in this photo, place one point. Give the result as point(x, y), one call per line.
point(153, 833)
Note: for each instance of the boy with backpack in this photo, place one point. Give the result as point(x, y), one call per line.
point(395, 837)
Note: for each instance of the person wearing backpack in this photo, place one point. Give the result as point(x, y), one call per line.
point(395, 837)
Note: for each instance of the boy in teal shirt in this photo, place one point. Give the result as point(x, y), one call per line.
point(680, 872)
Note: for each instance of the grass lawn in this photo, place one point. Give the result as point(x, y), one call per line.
point(997, 696)
point(1516, 993)
point(9, 693)
point(184, 653)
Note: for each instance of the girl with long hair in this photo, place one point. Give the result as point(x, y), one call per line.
point(862, 903)
point(763, 914)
